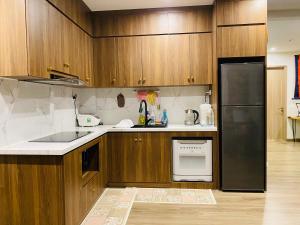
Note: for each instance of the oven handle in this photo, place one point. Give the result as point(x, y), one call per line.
point(191, 154)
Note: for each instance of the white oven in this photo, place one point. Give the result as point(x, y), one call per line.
point(192, 159)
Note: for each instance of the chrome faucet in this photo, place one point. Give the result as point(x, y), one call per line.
point(146, 111)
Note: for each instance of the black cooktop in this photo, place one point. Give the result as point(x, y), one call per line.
point(63, 137)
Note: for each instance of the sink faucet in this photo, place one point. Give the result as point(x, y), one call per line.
point(146, 110)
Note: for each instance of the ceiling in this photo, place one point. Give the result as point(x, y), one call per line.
point(104, 5)
point(283, 4)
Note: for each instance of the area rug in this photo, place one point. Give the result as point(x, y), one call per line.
point(174, 196)
point(114, 206)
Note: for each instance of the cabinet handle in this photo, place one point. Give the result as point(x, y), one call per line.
point(67, 65)
point(140, 139)
point(144, 81)
point(189, 79)
point(135, 139)
point(193, 80)
point(114, 80)
point(87, 79)
point(49, 69)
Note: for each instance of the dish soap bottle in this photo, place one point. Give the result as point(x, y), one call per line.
point(164, 119)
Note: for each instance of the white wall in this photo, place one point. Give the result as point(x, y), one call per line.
point(287, 59)
point(103, 102)
point(31, 110)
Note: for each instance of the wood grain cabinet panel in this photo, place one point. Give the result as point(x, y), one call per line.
point(201, 59)
point(104, 24)
point(233, 12)
point(242, 41)
point(178, 60)
point(38, 37)
point(154, 61)
point(128, 23)
point(105, 62)
point(129, 61)
point(154, 22)
point(190, 20)
point(13, 52)
point(77, 11)
point(139, 157)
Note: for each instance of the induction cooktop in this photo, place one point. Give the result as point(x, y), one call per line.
point(63, 137)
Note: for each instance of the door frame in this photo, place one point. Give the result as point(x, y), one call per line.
point(284, 68)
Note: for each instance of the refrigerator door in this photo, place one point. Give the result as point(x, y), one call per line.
point(243, 148)
point(242, 84)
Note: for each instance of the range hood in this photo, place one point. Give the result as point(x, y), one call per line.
point(59, 78)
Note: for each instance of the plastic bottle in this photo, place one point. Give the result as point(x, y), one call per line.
point(164, 119)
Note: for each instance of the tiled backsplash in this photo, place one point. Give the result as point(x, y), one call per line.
point(31, 110)
point(103, 102)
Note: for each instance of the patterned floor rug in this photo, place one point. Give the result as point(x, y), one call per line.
point(114, 206)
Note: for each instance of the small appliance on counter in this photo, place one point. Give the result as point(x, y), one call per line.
point(86, 120)
point(191, 117)
point(206, 115)
point(192, 159)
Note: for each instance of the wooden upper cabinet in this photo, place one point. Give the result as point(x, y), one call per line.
point(242, 41)
point(153, 21)
point(234, 12)
point(105, 65)
point(201, 58)
point(13, 53)
point(77, 11)
point(178, 60)
point(154, 61)
point(190, 20)
point(129, 50)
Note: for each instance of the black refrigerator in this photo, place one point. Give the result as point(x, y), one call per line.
point(242, 126)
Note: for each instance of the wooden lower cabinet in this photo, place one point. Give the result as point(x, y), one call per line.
point(48, 190)
point(144, 159)
point(139, 157)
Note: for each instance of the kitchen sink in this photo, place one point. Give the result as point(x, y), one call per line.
point(150, 126)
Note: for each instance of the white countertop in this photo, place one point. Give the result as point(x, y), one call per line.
point(37, 148)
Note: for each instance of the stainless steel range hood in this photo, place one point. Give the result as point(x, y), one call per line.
point(58, 78)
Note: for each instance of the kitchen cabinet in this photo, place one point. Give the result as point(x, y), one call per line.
point(154, 61)
point(242, 41)
point(59, 189)
point(56, 44)
point(77, 11)
point(13, 54)
point(105, 62)
point(129, 71)
point(191, 63)
point(201, 59)
point(241, 12)
point(139, 157)
point(153, 21)
point(178, 60)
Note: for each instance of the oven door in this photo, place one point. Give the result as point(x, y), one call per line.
point(192, 162)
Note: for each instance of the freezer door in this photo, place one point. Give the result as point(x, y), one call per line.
point(243, 148)
point(242, 84)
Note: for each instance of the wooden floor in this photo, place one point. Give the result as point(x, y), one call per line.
point(280, 205)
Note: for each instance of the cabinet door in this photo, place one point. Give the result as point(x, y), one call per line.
point(105, 65)
point(154, 165)
point(129, 61)
point(178, 62)
point(201, 58)
point(124, 157)
point(154, 60)
point(13, 54)
point(45, 38)
point(242, 41)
